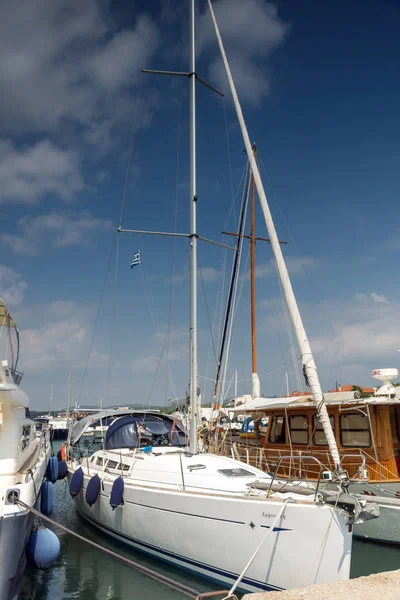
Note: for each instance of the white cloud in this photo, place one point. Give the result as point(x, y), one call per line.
point(66, 63)
point(116, 64)
point(250, 31)
point(53, 230)
point(379, 298)
point(349, 337)
point(62, 341)
point(12, 287)
point(355, 330)
point(177, 349)
point(53, 334)
point(31, 172)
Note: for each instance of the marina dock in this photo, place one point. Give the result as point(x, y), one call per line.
point(386, 585)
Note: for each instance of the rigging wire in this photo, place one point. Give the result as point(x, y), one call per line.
point(286, 313)
point(248, 378)
point(128, 166)
point(207, 310)
point(210, 347)
point(277, 323)
point(219, 304)
point(229, 154)
point(279, 208)
point(224, 254)
point(232, 327)
point(225, 338)
point(97, 317)
point(163, 346)
point(174, 224)
point(113, 317)
point(153, 315)
point(289, 330)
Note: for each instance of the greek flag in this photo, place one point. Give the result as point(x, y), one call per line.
point(135, 260)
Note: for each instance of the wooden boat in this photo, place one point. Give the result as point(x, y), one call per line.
point(367, 434)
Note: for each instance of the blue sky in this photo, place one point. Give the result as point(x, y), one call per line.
point(320, 92)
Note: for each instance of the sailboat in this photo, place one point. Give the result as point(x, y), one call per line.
point(148, 486)
point(23, 461)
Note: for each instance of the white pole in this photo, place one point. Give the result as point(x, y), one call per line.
point(69, 394)
point(302, 340)
point(235, 383)
point(287, 383)
point(50, 399)
point(193, 242)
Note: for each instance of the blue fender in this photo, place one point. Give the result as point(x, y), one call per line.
point(46, 498)
point(62, 469)
point(76, 482)
point(93, 490)
point(117, 493)
point(43, 548)
point(52, 469)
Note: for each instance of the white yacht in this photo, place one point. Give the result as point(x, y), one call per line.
point(58, 425)
point(147, 485)
point(23, 461)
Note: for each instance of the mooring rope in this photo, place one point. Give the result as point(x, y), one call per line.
point(261, 544)
point(172, 583)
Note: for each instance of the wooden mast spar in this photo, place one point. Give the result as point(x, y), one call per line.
point(252, 237)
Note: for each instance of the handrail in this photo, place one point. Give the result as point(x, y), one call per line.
point(301, 458)
point(363, 461)
point(266, 456)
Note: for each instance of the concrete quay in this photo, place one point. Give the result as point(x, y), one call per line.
point(382, 585)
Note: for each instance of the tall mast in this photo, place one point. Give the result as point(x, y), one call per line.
point(50, 399)
point(193, 239)
point(192, 229)
point(309, 366)
point(252, 278)
point(69, 394)
point(255, 380)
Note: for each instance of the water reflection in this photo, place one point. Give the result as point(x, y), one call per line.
point(85, 572)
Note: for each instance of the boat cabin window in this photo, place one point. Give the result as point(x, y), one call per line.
point(298, 427)
point(354, 430)
point(277, 432)
point(116, 466)
point(112, 464)
point(319, 438)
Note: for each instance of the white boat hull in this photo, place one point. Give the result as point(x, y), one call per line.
point(221, 533)
point(16, 524)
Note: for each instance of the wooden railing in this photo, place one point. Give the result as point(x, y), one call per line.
point(267, 460)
